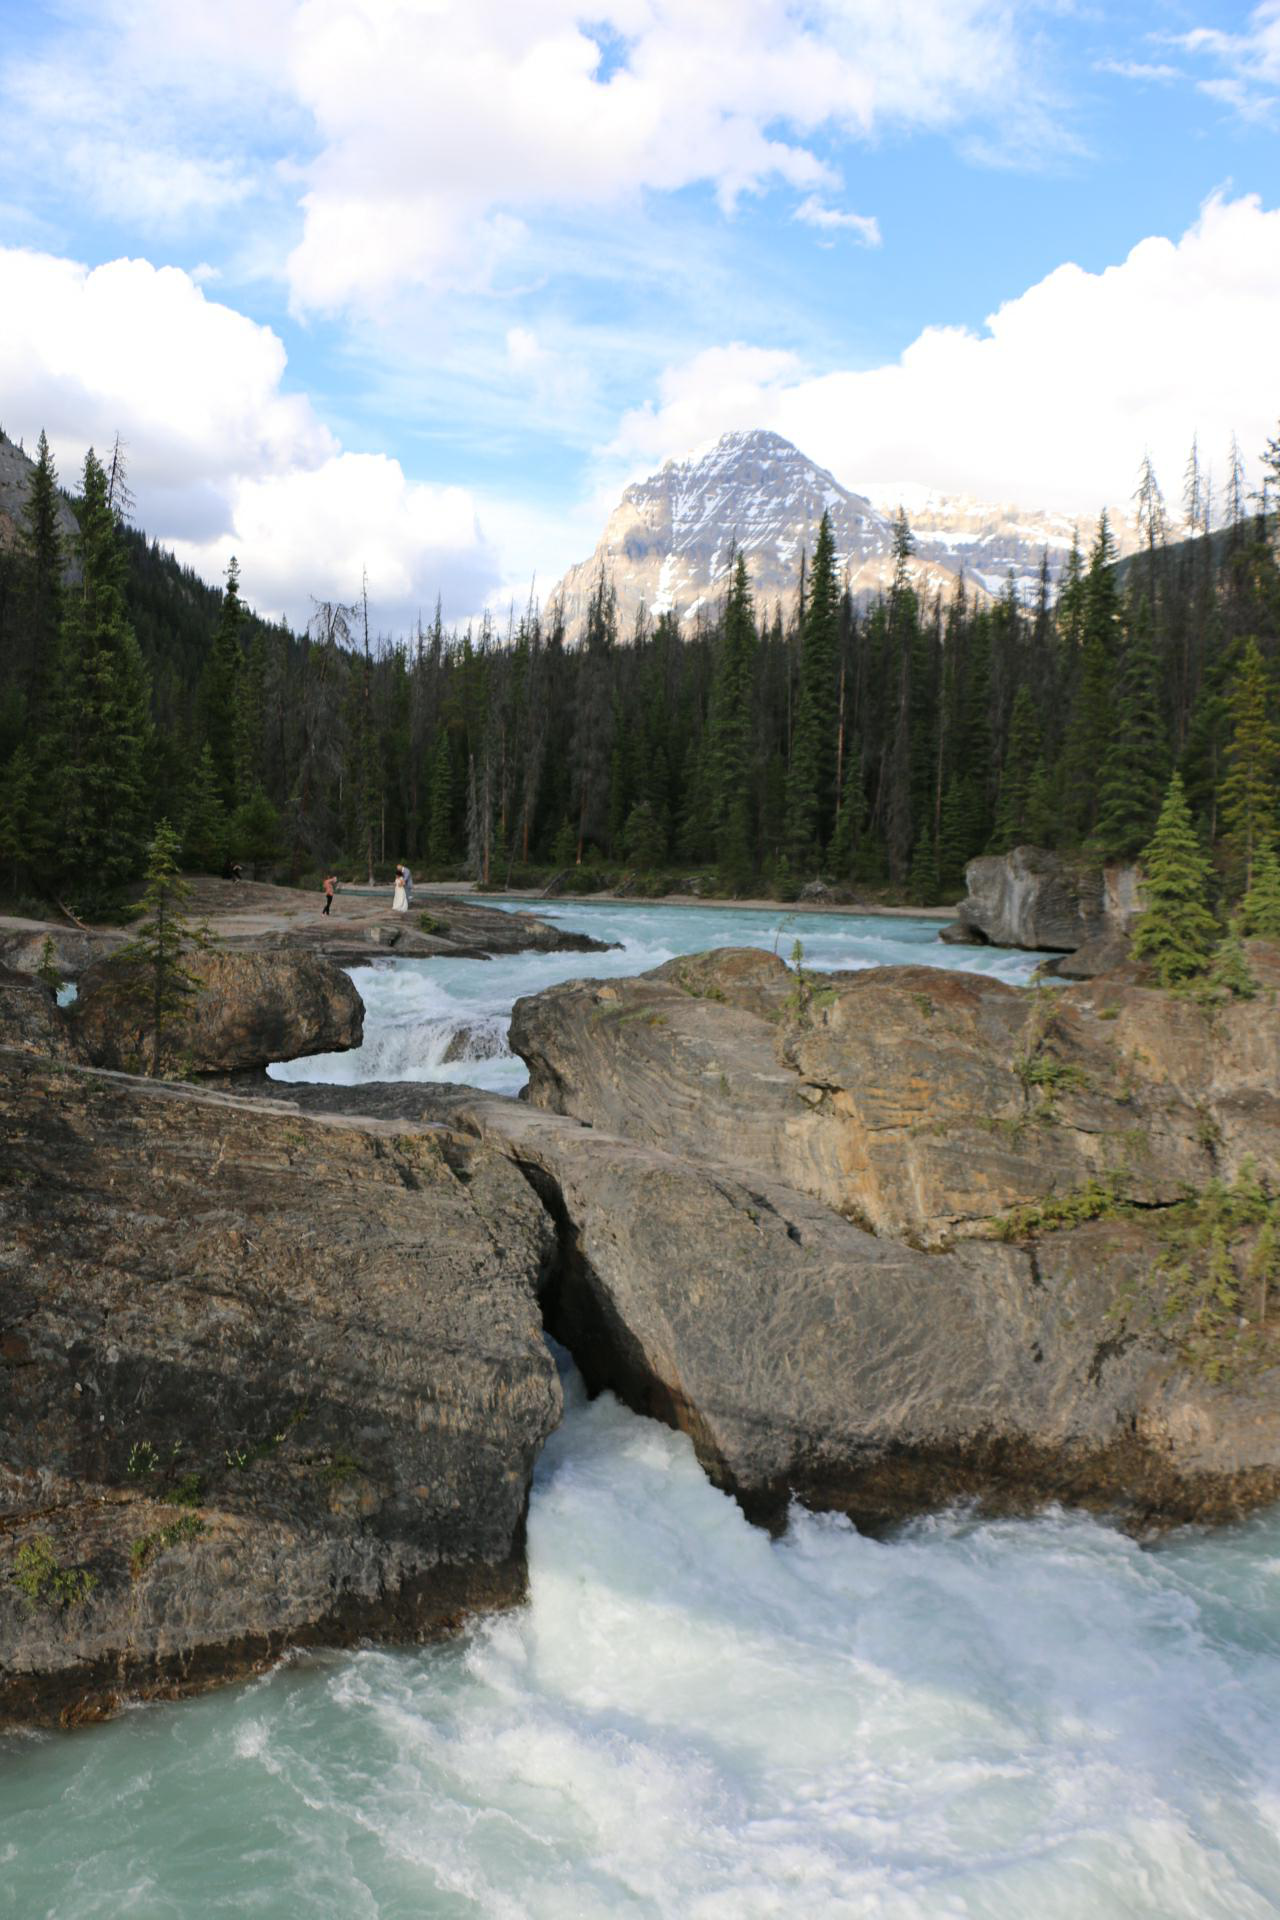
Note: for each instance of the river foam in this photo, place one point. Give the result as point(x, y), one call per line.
point(691, 1721)
point(1016, 1720)
point(448, 1019)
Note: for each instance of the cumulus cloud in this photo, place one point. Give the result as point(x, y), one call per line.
point(222, 457)
point(1052, 404)
point(429, 142)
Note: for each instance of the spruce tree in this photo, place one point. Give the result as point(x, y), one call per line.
point(1022, 756)
point(1260, 908)
point(150, 968)
point(204, 835)
point(440, 840)
point(1135, 765)
point(1176, 932)
point(220, 704)
point(17, 810)
point(253, 831)
point(102, 725)
point(40, 596)
point(811, 777)
point(1248, 795)
point(732, 699)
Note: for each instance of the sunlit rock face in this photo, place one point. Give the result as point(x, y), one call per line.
point(670, 543)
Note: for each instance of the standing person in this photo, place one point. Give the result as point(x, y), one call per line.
point(330, 888)
point(408, 886)
point(399, 899)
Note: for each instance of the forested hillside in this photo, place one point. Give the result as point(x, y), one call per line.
point(882, 748)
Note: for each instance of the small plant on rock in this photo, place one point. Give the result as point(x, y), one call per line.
point(39, 1577)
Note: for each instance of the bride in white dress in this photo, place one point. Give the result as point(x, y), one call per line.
point(400, 899)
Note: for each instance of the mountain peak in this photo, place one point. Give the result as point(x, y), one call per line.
point(670, 541)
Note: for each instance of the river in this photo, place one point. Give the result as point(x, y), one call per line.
point(1013, 1720)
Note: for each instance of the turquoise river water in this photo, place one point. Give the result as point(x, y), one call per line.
point(972, 1720)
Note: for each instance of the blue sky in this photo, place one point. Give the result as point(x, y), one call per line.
point(421, 283)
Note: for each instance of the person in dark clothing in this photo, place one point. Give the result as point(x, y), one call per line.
point(330, 888)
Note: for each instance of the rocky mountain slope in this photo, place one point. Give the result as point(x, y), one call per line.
point(668, 543)
point(16, 469)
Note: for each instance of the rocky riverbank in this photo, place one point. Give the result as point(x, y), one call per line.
point(876, 1241)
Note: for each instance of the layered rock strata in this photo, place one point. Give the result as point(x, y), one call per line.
point(268, 1381)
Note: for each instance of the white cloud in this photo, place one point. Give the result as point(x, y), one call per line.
point(1053, 404)
point(863, 226)
point(222, 458)
point(431, 139)
point(1250, 83)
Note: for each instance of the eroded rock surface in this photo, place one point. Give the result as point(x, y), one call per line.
point(248, 1009)
point(918, 1102)
point(1037, 899)
point(265, 1380)
point(809, 1358)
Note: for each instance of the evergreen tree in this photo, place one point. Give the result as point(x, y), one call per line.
point(101, 727)
point(150, 968)
point(811, 776)
point(955, 848)
point(1229, 974)
point(205, 834)
point(1176, 932)
point(1135, 765)
point(253, 832)
point(731, 715)
point(1260, 908)
point(40, 597)
point(644, 839)
point(1253, 754)
point(1022, 756)
point(17, 810)
point(220, 688)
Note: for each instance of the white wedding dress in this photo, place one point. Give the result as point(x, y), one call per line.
point(400, 899)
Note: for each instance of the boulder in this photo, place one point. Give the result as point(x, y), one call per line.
point(807, 1358)
point(920, 1103)
point(30, 1017)
point(1036, 899)
point(268, 1380)
point(247, 1010)
point(74, 949)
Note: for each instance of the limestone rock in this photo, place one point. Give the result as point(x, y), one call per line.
point(807, 1358)
point(1040, 900)
point(920, 1103)
point(248, 1009)
point(267, 1381)
point(30, 1018)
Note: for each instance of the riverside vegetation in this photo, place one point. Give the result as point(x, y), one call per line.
point(880, 746)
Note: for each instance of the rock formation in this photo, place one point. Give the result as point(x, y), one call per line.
point(883, 1237)
point(268, 1381)
point(1040, 900)
point(246, 1010)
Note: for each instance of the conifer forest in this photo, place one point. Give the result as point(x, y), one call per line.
point(879, 747)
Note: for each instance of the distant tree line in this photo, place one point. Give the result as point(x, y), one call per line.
point(881, 747)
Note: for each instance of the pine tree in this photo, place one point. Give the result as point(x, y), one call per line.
point(150, 968)
point(17, 809)
point(644, 839)
point(1135, 765)
point(811, 795)
point(730, 727)
point(1260, 908)
point(102, 726)
point(1176, 933)
point(205, 834)
point(1253, 754)
point(253, 832)
point(440, 841)
point(1229, 974)
point(220, 688)
point(955, 848)
point(1022, 756)
point(40, 594)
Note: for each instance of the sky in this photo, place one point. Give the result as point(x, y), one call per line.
point(412, 288)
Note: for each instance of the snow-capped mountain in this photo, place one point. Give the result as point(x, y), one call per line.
point(669, 541)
